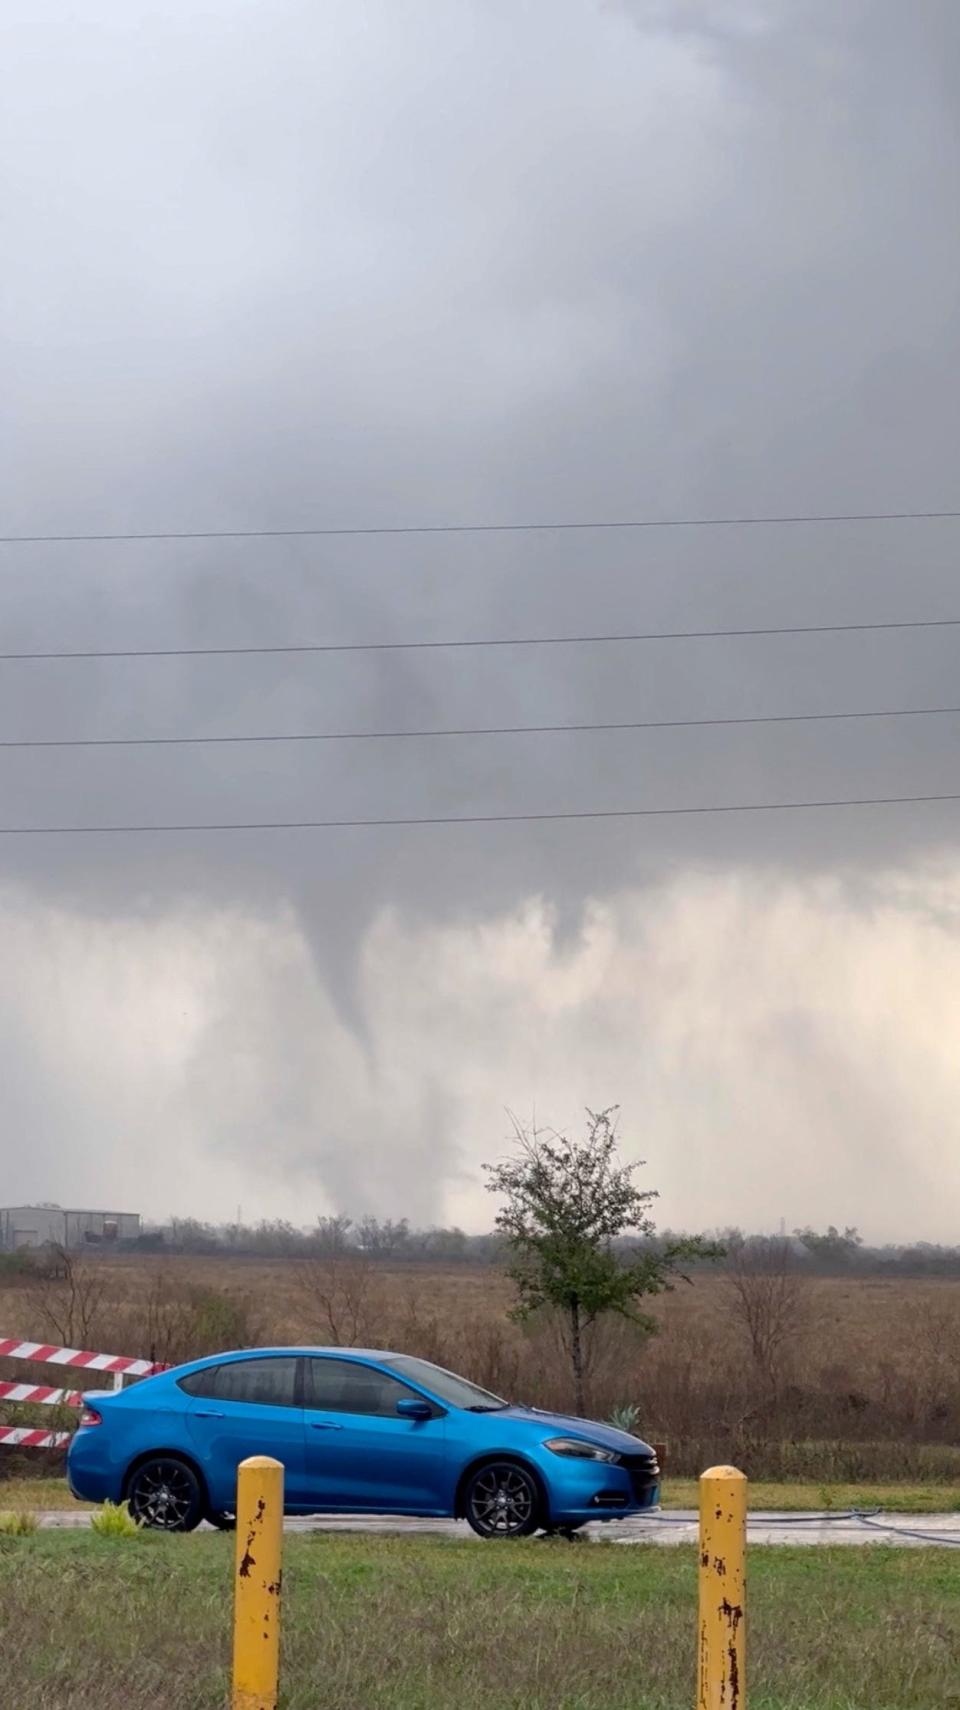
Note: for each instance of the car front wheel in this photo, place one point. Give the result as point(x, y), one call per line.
point(501, 1500)
point(164, 1493)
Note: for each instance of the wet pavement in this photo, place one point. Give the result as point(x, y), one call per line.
point(679, 1526)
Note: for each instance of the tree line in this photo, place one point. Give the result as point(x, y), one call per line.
point(831, 1252)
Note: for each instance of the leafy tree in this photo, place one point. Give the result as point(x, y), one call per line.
point(565, 1204)
point(445, 1243)
point(837, 1250)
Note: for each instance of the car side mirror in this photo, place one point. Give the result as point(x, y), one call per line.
point(414, 1409)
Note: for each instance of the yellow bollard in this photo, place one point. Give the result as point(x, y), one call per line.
point(721, 1677)
point(256, 1622)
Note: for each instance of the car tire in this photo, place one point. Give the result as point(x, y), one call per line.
point(164, 1494)
point(501, 1499)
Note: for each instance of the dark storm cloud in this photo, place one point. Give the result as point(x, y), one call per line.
point(288, 266)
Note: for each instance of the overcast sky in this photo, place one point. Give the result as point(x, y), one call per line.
point(277, 265)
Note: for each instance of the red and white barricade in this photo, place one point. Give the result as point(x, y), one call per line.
point(118, 1366)
point(20, 1436)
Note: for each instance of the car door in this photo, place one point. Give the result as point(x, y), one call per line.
point(247, 1407)
point(360, 1453)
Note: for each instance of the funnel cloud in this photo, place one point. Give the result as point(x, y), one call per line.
point(376, 265)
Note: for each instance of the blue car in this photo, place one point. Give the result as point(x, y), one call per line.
point(357, 1432)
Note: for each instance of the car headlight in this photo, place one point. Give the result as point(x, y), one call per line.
point(577, 1450)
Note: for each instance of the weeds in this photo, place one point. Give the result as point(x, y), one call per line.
point(114, 1520)
point(18, 1524)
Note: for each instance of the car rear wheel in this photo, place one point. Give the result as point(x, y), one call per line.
point(164, 1493)
point(501, 1500)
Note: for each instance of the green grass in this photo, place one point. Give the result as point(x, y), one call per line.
point(45, 1494)
point(427, 1624)
point(797, 1498)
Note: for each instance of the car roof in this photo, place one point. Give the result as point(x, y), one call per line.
point(301, 1351)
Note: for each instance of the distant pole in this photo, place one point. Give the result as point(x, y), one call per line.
point(256, 1624)
point(721, 1652)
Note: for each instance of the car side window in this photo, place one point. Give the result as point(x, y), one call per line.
point(346, 1386)
point(263, 1383)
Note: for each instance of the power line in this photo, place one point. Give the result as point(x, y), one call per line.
point(469, 819)
point(481, 528)
point(482, 641)
point(470, 730)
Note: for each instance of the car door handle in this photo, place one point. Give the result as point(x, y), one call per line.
point(321, 1425)
point(208, 1413)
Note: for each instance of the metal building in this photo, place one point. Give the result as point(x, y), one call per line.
point(55, 1225)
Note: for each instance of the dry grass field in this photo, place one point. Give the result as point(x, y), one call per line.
point(867, 1387)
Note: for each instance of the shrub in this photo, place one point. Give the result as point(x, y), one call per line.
point(114, 1520)
point(181, 1320)
point(21, 1524)
point(17, 1268)
point(625, 1418)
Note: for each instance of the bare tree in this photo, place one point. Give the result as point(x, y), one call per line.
point(769, 1299)
point(934, 1359)
point(67, 1297)
point(332, 1235)
point(384, 1239)
point(341, 1294)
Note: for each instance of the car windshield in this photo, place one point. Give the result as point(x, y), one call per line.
point(446, 1385)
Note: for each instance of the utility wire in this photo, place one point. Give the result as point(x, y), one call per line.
point(483, 641)
point(483, 528)
point(872, 1518)
point(470, 818)
point(878, 1525)
point(468, 730)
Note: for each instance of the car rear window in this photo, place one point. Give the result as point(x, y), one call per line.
point(262, 1382)
point(200, 1383)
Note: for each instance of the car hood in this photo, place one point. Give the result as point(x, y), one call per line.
point(591, 1430)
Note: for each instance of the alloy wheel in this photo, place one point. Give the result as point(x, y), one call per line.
point(165, 1496)
point(502, 1501)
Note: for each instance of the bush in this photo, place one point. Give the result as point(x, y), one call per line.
point(179, 1321)
point(17, 1268)
point(21, 1524)
point(114, 1520)
point(626, 1418)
